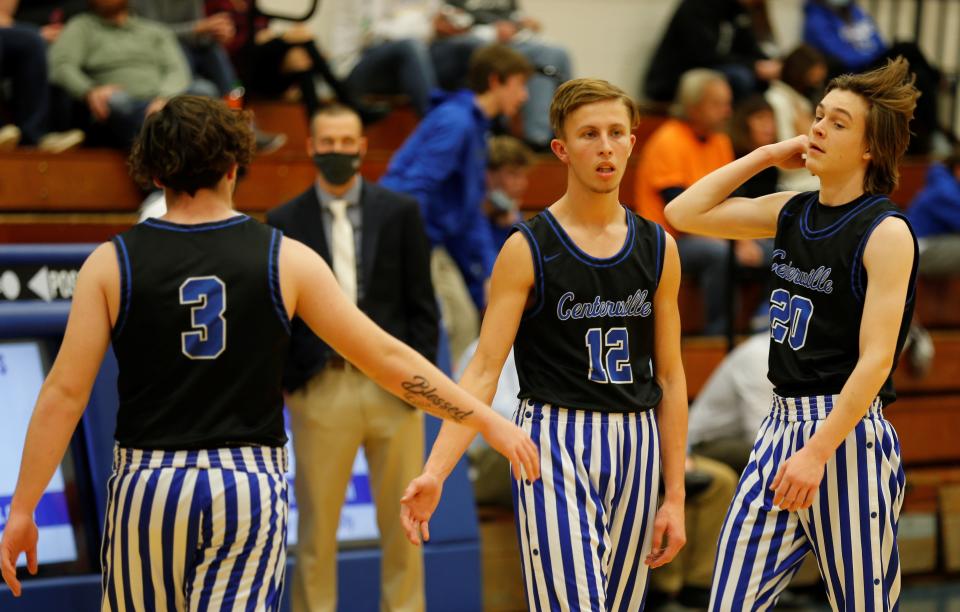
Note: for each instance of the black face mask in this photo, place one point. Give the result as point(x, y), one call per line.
point(337, 168)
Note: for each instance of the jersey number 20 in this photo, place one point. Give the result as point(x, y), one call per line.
point(789, 318)
point(207, 297)
point(609, 356)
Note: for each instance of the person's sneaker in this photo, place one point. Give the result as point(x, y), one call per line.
point(268, 142)
point(9, 137)
point(58, 142)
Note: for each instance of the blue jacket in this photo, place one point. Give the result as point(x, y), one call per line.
point(443, 164)
point(855, 45)
point(936, 208)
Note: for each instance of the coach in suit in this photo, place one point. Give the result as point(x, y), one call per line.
point(375, 242)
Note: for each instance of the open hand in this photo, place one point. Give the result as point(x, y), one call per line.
point(98, 100)
point(516, 445)
point(419, 501)
point(669, 534)
point(19, 536)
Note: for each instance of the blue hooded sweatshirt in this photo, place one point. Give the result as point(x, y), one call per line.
point(935, 209)
point(443, 164)
point(855, 45)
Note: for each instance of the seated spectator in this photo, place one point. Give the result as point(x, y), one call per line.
point(121, 67)
point(381, 48)
point(935, 216)
point(23, 60)
point(465, 25)
point(202, 39)
point(508, 164)
point(443, 164)
point(726, 415)
point(851, 42)
point(801, 81)
point(271, 62)
point(678, 153)
point(725, 35)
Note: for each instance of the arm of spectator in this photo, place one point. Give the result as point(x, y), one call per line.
point(420, 301)
point(66, 58)
point(176, 71)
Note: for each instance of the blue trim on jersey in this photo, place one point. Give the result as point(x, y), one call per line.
point(836, 226)
point(537, 269)
point(126, 285)
point(596, 262)
point(661, 252)
point(857, 270)
point(273, 273)
point(198, 227)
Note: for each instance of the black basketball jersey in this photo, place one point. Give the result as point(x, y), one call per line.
point(587, 340)
point(201, 335)
point(819, 285)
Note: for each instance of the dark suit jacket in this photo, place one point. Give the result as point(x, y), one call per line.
point(395, 256)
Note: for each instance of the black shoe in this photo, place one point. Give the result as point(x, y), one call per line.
point(371, 113)
point(694, 597)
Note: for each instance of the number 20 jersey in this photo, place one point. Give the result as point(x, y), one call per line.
point(586, 341)
point(819, 285)
point(201, 335)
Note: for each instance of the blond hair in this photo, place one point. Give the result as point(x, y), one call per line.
point(891, 99)
point(507, 151)
point(579, 92)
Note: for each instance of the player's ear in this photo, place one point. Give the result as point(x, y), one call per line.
point(866, 154)
point(559, 149)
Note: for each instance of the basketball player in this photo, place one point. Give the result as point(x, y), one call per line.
point(825, 474)
point(586, 292)
point(198, 307)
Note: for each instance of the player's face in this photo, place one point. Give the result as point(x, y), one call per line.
point(511, 93)
point(342, 133)
point(596, 143)
point(837, 144)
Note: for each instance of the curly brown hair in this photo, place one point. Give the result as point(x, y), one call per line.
point(190, 144)
point(891, 98)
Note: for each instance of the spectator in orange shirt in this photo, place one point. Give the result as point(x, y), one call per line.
point(680, 152)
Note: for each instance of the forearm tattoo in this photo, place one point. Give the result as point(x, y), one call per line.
point(421, 393)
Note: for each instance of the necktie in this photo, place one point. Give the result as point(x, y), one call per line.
point(343, 249)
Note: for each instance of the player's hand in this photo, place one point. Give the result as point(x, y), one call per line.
point(669, 534)
point(19, 536)
point(788, 154)
point(798, 480)
point(516, 445)
point(419, 501)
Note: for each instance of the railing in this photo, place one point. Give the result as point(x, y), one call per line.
point(935, 26)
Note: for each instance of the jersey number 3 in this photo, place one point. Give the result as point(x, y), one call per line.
point(609, 356)
point(207, 297)
point(790, 318)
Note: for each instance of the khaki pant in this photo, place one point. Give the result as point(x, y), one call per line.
point(459, 314)
point(704, 515)
point(338, 411)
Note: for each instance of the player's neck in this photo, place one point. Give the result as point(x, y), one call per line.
point(206, 206)
point(584, 207)
point(837, 190)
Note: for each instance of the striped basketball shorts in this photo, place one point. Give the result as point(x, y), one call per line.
point(195, 530)
point(587, 524)
point(851, 528)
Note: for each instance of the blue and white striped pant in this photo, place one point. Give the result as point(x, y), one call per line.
point(851, 527)
point(195, 530)
point(587, 524)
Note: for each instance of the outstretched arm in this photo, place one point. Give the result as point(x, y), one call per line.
point(672, 411)
point(509, 290)
point(705, 207)
point(310, 288)
point(60, 404)
point(888, 260)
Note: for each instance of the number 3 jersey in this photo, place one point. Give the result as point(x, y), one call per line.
point(586, 341)
point(819, 284)
point(201, 335)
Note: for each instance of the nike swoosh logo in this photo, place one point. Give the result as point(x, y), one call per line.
point(551, 257)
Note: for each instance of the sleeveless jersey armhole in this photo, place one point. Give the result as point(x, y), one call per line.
point(858, 273)
point(661, 251)
point(537, 269)
point(126, 284)
point(273, 274)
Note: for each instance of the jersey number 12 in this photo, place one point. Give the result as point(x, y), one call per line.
point(609, 356)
